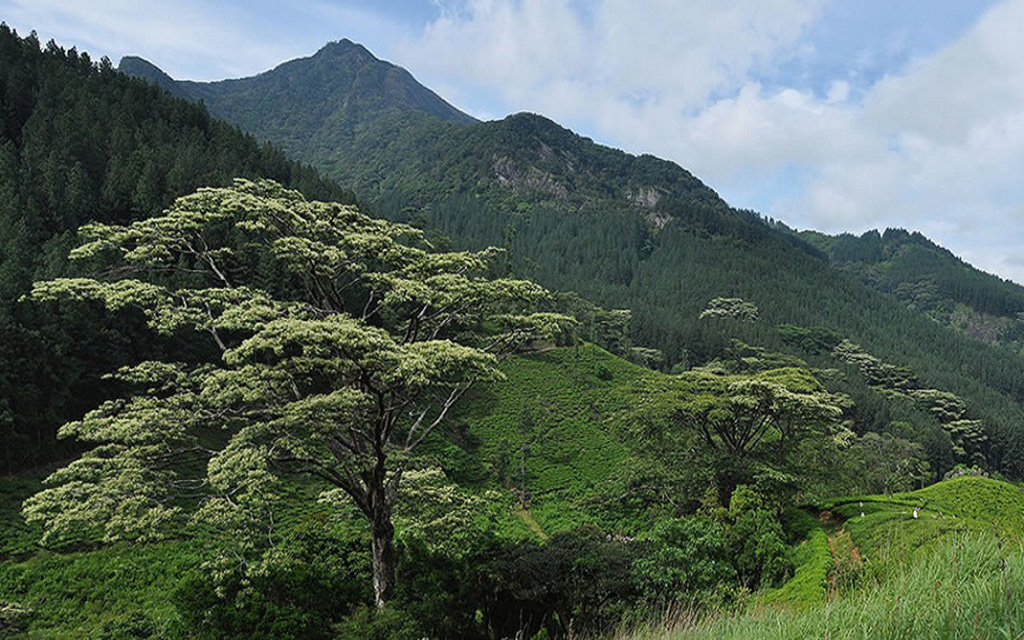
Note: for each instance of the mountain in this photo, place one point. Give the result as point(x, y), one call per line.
point(311, 102)
point(140, 68)
point(932, 281)
point(642, 233)
point(620, 468)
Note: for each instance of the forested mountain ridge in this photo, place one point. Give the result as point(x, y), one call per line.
point(310, 103)
point(930, 280)
point(643, 234)
point(281, 348)
point(80, 142)
point(368, 123)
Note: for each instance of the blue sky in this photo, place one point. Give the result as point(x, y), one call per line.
point(837, 115)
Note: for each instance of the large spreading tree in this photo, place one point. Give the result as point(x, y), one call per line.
point(742, 426)
point(335, 345)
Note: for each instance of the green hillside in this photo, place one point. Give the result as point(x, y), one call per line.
point(930, 280)
point(553, 433)
point(942, 562)
point(572, 408)
point(288, 418)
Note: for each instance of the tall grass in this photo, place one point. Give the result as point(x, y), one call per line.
point(969, 586)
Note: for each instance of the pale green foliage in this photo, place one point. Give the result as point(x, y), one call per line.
point(439, 512)
point(759, 428)
point(739, 413)
point(735, 308)
point(123, 487)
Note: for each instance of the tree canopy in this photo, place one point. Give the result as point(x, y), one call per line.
point(745, 427)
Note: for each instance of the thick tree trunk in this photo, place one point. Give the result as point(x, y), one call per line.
point(384, 578)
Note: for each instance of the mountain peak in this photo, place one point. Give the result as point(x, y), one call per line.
point(336, 89)
point(345, 46)
point(142, 68)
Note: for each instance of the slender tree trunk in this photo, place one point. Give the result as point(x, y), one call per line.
point(383, 562)
point(383, 535)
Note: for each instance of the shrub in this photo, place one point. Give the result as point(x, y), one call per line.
point(758, 549)
point(686, 559)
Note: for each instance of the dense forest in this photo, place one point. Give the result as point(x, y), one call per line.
point(81, 142)
point(932, 281)
point(643, 234)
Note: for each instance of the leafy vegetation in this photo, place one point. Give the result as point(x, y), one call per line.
point(644, 234)
point(945, 561)
point(968, 588)
point(341, 382)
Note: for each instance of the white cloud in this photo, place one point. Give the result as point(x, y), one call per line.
point(550, 55)
point(947, 142)
point(201, 39)
point(188, 38)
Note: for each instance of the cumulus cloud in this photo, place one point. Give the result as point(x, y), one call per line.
point(172, 34)
point(201, 40)
point(555, 53)
point(948, 141)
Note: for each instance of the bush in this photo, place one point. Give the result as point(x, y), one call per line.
point(758, 548)
point(297, 593)
point(578, 582)
point(685, 559)
point(367, 623)
point(136, 625)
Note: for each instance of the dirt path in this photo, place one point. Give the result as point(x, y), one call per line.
point(530, 522)
point(846, 558)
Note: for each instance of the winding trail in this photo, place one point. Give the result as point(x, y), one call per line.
point(846, 557)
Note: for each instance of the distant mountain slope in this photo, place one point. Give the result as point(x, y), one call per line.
point(931, 280)
point(312, 101)
point(627, 232)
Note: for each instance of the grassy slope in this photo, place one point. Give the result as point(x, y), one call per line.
point(565, 406)
point(969, 588)
point(955, 571)
point(570, 406)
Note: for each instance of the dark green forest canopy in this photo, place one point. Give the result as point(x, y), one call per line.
point(81, 143)
point(932, 281)
point(625, 231)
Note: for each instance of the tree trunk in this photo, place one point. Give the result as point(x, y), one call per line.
point(384, 578)
point(382, 499)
